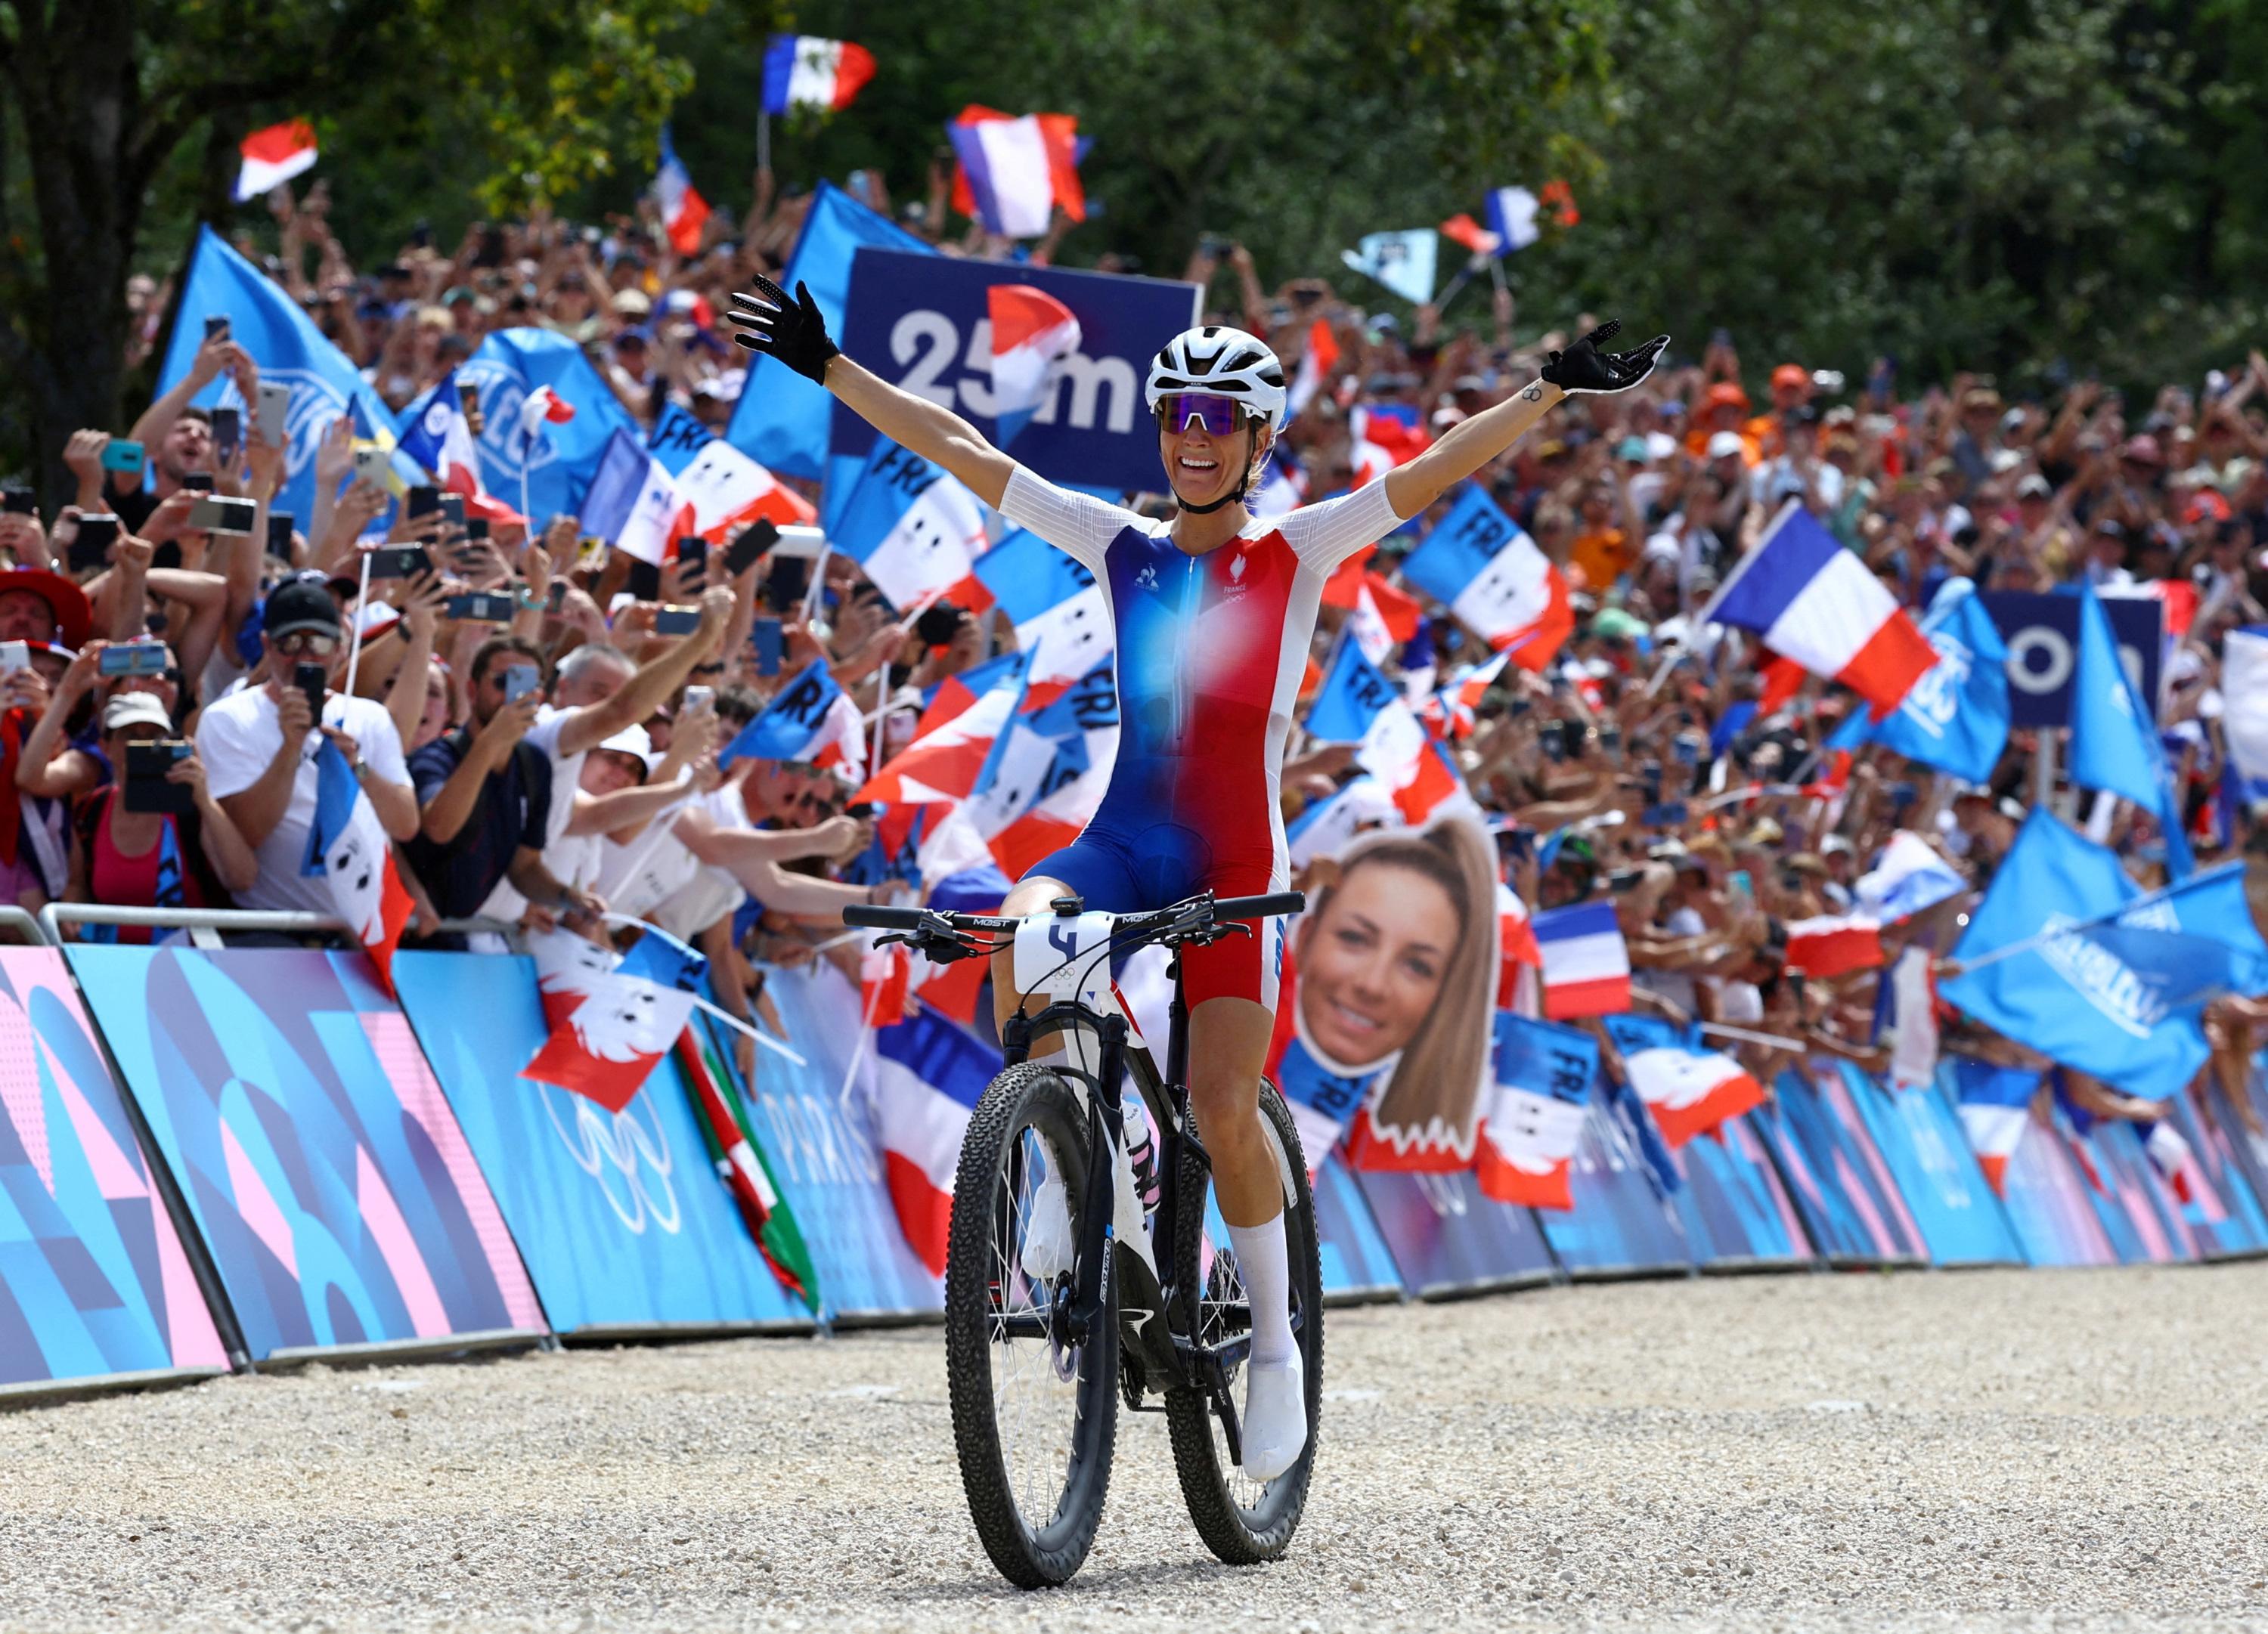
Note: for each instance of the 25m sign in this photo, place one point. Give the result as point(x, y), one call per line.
point(921, 322)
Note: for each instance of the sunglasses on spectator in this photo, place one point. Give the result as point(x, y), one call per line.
point(1219, 416)
point(309, 643)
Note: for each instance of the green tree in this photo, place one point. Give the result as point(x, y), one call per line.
point(115, 107)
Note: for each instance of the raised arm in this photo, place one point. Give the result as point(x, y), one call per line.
point(1582, 367)
point(793, 331)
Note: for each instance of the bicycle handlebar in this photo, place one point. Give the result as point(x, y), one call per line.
point(868, 917)
point(1260, 907)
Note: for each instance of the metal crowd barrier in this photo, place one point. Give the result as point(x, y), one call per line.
point(206, 926)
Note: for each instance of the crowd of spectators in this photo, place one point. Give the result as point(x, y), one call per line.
point(563, 759)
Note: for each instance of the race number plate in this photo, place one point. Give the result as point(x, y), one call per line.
point(1067, 959)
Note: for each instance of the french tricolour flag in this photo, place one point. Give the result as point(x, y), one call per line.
point(1450, 712)
point(1012, 172)
point(915, 530)
point(801, 71)
point(1536, 1114)
point(439, 438)
point(1511, 213)
point(1517, 948)
point(1495, 579)
point(811, 719)
point(1046, 773)
point(273, 156)
point(928, 1075)
point(1031, 331)
point(632, 503)
point(1055, 604)
point(1690, 1091)
point(1816, 602)
point(1909, 878)
point(683, 210)
point(1585, 962)
point(612, 1018)
point(1833, 945)
point(955, 738)
point(541, 407)
point(1995, 1110)
point(727, 491)
point(348, 845)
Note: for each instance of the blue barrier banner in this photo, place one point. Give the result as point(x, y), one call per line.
point(1623, 1222)
point(621, 1217)
point(94, 1281)
point(1840, 1182)
point(324, 1167)
point(1446, 1238)
point(2047, 1197)
point(923, 322)
point(2216, 1201)
point(820, 1139)
point(2137, 1213)
point(1734, 1207)
point(1356, 1262)
point(2241, 1147)
point(1931, 1166)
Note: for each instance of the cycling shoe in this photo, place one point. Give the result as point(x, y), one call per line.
point(1275, 1418)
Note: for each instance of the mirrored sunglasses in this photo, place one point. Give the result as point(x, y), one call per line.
point(1219, 416)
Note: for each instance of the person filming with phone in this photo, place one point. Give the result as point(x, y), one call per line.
point(155, 837)
point(484, 793)
point(259, 745)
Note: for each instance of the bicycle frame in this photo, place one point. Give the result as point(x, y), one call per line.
point(1193, 1365)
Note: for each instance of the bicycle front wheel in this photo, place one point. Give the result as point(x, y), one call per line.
point(1034, 1414)
point(1242, 1520)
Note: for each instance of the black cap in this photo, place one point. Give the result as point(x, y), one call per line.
point(300, 604)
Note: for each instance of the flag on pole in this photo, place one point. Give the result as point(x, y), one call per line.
point(950, 749)
point(1957, 716)
point(683, 210)
point(810, 719)
point(1688, 1090)
point(1462, 229)
point(1586, 961)
point(1402, 261)
point(1995, 1108)
point(632, 503)
point(1535, 1115)
point(541, 407)
point(801, 71)
point(1833, 945)
point(1816, 602)
point(348, 846)
point(1494, 579)
point(1511, 214)
point(733, 1146)
point(1031, 331)
point(2114, 733)
point(1909, 877)
point(612, 1016)
point(727, 491)
point(271, 156)
point(1012, 172)
point(439, 438)
point(914, 529)
point(1056, 608)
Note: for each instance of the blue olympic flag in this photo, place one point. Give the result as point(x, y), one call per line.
point(922, 322)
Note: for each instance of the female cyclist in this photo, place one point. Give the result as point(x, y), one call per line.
point(1212, 614)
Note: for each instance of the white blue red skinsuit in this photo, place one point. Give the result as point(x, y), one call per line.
point(1210, 651)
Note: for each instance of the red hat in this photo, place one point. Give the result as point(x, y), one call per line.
point(74, 618)
point(1727, 394)
point(2209, 504)
point(1791, 374)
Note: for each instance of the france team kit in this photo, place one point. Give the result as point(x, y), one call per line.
point(1210, 652)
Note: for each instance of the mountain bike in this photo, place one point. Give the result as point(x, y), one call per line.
point(1052, 1316)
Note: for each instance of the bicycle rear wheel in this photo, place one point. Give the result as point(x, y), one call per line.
point(1034, 1417)
point(1241, 1520)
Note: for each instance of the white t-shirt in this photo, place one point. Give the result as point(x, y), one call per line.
point(237, 738)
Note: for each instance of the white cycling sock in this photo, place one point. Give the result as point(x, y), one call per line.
point(1265, 1263)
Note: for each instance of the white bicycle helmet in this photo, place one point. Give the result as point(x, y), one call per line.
point(1229, 363)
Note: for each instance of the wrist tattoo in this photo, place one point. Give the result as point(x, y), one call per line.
point(1534, 392)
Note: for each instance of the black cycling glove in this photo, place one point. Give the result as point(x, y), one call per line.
point(792, 331)
point(1583, 367)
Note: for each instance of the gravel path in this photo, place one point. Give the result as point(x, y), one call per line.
point(2003, 1450)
